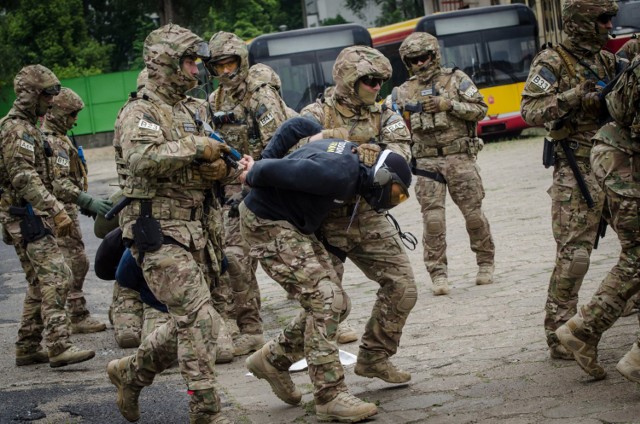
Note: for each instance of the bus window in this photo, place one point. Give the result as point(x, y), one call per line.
point(304, 58)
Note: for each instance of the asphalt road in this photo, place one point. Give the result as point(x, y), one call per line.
point(477, 355)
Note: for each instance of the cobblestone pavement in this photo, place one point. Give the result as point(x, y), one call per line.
point(477, 355)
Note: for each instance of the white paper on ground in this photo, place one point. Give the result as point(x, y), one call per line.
point(346, 358)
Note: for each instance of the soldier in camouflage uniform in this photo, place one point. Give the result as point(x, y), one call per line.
point(561, 94)
point(69, 186)
point(630, 49)
point(371, 242)
point(289, 199)
point(30, 214)
point(615, 159)
point(165, 165)
point(247, 110)
point(444, 106)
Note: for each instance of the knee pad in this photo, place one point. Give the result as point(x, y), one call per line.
point(474, 221)
point(341, 304)
point(435, 225)
point(579, 263)
point(408, 299)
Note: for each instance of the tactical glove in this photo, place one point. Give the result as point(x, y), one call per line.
point(209, 149)
point(213, 171)
point(435, 104)
point(592, 103)
point(97, 206)
point(62, 223)
point(341, 133)
point(368, 153)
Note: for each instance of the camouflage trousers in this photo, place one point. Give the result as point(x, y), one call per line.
point(465, 187)
point(299, 263)
point(126, 311)
point(622, 208)
point(374, 246)
point(72, 248)
point(176, 279)
point(242, 277)
point(574, 228)
point(48, 278)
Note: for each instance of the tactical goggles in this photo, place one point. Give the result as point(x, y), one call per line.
point(223, 66)
point(371, 81)
point(420, 59)
point(605, 18)
point(394, 190)
point(54, 90)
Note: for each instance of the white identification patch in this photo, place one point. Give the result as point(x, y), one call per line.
point(64, 162)
point(26, 145)
point(471, 91)
point(541, 82)
point(395, 126)
point(426, 92)
point(266, 119)
point(148, 125)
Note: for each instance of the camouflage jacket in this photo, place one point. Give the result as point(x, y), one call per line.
point(70, 173)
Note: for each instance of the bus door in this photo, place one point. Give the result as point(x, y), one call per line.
point(304, 58)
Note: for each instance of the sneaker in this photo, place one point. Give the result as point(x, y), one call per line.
point(30, 358)
point(586, 355)
point(224, 347)
point(440, 286)
point(72, 355)
point(345, 334)
point(629, 365)
point(559, 352)
point(345, 408)
point(88, 325)
point(485, 275)
point(127, 393)
point(280, 381)
point(247, 343)
point(384, 370)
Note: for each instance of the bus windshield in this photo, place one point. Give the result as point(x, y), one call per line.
point(304, 58)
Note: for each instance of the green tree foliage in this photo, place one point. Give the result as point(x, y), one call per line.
point(334, 21)
point(53, 33)
point(392, 10)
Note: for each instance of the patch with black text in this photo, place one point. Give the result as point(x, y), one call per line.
point(148, 125)
point(189, 127)
point(264, 120)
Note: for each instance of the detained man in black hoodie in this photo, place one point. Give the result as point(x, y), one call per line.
point(289, 198)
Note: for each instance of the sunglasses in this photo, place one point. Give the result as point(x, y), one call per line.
point(605, 18)
point(54, 90)
point(371, 81)
point(419, 59)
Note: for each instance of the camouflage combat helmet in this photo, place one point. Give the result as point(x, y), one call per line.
point(163, 50)
point(419, 44)
point(29, 83)
point(261, 74)
point(579, 20)
point(224, 45)
point(65, 107)
point(354, 63)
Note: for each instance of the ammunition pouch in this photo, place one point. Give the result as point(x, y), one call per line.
point(548, 153)
point(147, 234)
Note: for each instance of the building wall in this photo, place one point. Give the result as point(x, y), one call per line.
point(319, 10)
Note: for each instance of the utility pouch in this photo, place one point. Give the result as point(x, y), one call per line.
point(147, 234)
point(548, 153)
point(32, 228)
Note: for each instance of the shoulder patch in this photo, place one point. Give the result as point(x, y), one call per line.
point(62, 159)
point(148, 125)
point(470, 91)
point(189, 127)
point(25, 145)
point(28, 138)
point(264, 120)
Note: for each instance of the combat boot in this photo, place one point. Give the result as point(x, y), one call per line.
point(29, 358)
point(247, 343)
point(384, 370)
point(127, 338)
point(440, 285)
point(127, 393)
point(208, 419)
point(585, 354)
point(345, 334)
point(345, 408)
point(629, 365)
point(72, 355)
point(280, 381)
point(560, 352)
point(224, 347)
point(87, 325)
point(485, 274)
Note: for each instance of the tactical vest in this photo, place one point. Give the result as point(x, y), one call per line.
point(361, 129)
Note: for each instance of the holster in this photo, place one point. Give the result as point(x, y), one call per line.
point(548, 153)
point(147, 233)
